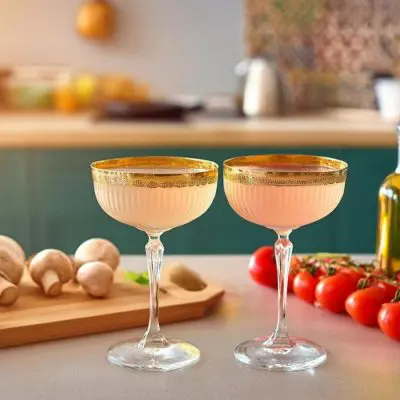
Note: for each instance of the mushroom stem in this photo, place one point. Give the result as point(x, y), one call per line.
point(51, 283)
point(8, 292)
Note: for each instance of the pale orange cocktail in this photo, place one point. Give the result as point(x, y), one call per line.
point(155, 195)
point(155, 209)
point(283, 193)
point(287, 205)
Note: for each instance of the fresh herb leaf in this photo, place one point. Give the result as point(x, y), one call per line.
point(143, 279)
point(140, 278)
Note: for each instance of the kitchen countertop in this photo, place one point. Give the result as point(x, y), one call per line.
point(339, 128)
point(362, 362)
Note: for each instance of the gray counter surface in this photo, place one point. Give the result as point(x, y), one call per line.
point(362, 364)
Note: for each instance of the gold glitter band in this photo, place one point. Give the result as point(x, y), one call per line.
point(237, 170)
point(107, 172)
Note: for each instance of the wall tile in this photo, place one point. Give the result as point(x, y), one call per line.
point(327, 50)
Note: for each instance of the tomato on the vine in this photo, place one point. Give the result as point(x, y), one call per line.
point(292, 276)
point(325, 270)
point(331, 292)
point(294, 270)
point(304, 286)
point(353, 273)
point(262, 267)
point(389, 288)
point(363, 305)
point(389, 320)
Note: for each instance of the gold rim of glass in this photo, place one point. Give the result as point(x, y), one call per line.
point(256, 170)
point(197, 172)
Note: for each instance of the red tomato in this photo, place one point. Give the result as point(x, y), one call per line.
point(364, 305)
point(389, 320)
point(325, 270)
point(295, 262)
point(292, 276)
point(304, 286)
point(378, 273)
point(294, 270)
point(353, 273)
point(331, 292)
point(389, 288)
point(262, 267)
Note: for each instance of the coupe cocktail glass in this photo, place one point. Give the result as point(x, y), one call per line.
point(154, 194)
point(283, 193)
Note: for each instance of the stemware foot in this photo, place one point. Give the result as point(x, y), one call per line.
point(154, 356)
point(301, 354)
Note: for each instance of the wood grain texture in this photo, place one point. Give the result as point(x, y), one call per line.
point(339, 128)
point(35, 318)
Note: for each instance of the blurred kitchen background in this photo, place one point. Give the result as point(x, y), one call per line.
point(172, 47)
point(82, 80)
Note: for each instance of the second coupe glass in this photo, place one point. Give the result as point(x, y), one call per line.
point(283, 193)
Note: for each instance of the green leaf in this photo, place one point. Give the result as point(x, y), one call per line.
point(140, 278)
point(280, 5)
point(131, 276)
point(143, 279)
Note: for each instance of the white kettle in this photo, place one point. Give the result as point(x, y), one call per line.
point(261, 91)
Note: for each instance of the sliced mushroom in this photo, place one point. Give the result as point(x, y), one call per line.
point(12, 245)
point(11, 271)
point(97, 249)
point(50, 269)
point(182, 276)
point(96, 278)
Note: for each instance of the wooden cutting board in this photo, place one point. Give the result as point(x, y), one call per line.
point(36, 318)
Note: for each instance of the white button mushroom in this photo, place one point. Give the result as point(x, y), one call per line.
point(50, 269)
point(96, 278)
point(11, 270)
point(97, 249)
point(13, 246)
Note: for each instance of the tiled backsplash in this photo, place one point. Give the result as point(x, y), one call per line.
point(327, 50)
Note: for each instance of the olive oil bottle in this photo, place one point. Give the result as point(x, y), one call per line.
point(388, 234)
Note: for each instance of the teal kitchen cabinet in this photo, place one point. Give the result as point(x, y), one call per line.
point(16, 205)
point(48, 201)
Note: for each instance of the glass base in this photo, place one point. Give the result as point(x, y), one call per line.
point(299, 355)
point(167, 356)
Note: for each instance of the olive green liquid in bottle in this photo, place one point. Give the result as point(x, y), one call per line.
point(388, 234)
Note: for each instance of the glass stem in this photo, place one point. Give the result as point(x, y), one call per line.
point(283, 253)
point(154, 253)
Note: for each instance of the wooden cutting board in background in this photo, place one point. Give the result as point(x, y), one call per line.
point(36, 318)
